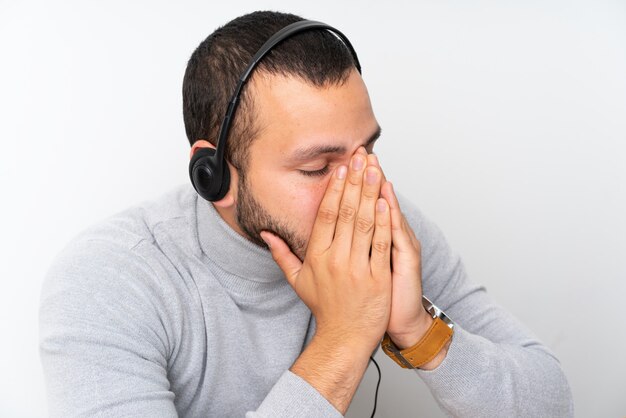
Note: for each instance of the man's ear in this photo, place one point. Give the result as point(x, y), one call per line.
point(228, 201)
point(200, 143)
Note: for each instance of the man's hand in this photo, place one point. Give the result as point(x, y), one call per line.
point(408, 316)
point(347, 289)
point(408, 320)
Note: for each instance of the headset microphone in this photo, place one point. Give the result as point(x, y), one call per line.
point(208, 171)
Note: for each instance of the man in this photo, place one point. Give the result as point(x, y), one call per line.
point(178, 308)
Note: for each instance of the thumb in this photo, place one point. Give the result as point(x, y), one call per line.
point(286, 260)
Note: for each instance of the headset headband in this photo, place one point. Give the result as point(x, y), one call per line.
point(286, 32)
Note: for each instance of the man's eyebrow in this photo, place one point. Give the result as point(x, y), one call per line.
point(314, 151)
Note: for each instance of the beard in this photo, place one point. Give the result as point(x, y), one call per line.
point(253, 218)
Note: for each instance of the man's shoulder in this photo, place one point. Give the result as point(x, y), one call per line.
point(115, 279)
point(132, 239)
point(141, 222)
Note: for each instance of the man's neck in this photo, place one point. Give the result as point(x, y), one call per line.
point(228, 215)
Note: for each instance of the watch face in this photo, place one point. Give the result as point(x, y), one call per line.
point(432, 309)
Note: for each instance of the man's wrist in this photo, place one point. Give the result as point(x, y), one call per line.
point(405, 342)
point(334, 367)
point(412, 337)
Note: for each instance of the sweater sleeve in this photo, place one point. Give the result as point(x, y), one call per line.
point(292, 396)
point(495, 366)
point(102, 344)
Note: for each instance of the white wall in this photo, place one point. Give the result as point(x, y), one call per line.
point(504, 121)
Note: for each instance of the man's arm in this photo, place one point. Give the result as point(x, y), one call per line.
point(494, 365)
point(103, 348)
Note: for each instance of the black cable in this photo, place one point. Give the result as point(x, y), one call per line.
point(377, 385)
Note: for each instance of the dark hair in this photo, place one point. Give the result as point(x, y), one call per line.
point(315, 56)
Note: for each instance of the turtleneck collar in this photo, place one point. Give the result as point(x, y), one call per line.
point(231, 251)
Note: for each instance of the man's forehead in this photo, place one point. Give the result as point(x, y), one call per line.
point(327, 147)
point(302, 122)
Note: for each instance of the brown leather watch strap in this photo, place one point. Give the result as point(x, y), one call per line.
point(424, 351)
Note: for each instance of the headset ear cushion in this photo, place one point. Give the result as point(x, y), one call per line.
point(207, 176)
point(200, 154)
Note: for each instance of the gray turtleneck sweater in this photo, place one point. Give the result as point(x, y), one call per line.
point(164, 310)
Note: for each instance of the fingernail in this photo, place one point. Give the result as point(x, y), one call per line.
point(374, 159)
point(357, 163)
point(381, 205)
point(371, 175)
point(341, 172)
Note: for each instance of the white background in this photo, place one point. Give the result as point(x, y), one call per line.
point(504, 121)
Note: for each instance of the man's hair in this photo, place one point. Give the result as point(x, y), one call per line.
point(317, 57)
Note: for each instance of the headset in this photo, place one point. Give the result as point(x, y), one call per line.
point(208, 171)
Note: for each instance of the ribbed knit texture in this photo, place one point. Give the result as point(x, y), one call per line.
point(164, 310)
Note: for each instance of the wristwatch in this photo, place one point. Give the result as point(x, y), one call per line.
point(439, 333)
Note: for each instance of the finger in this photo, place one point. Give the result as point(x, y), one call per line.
point(381, 242)
point(415, 245)
point(372, 159)
point(286, 260)
point(349, 203)
point(365, 219)
point(400, 235)
point(407, 227)
point(326, 220)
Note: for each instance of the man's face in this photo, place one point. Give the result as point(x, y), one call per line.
point(305, 133)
